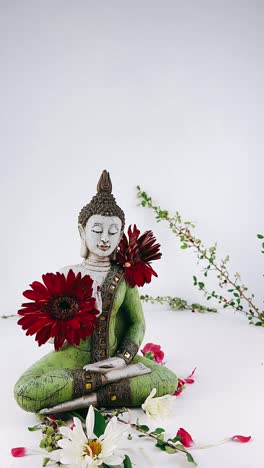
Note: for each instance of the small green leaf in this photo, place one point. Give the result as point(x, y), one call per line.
point(45, 461)
point(34, 428)
point(160, 445)
point(175, 439)
point(99, 423)
point(258, 324)
point(184, 246)
point(190, 458)
point(170, 449)
point(143, 428)
point(49, 430)
point(127, 462)
point(201, 285)
point(149, 355)
point(159, 430)
point(180, 447)
point(142, 435)
point(260, 236)
point(160, 442)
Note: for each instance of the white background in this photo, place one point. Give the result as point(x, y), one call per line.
point(167, 95)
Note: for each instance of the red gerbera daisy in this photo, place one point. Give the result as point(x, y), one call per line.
point(62, 307)
point(135, 254)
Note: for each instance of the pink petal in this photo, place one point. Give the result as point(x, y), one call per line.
point(180, 387)
point(241, 439)
point(178, 392)
point(189, 379)
point(186, 439)
point(19, 452)
point(155, 351)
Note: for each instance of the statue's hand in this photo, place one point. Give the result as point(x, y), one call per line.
point(102, 367)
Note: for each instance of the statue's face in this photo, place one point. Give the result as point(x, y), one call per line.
point(102, 234)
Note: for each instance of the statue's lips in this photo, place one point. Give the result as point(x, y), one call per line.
point(104, 247)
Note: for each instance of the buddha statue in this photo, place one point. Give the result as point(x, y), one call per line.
point(104, 368)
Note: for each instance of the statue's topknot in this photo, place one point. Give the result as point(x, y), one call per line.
point(104, 183)
point(103, 203)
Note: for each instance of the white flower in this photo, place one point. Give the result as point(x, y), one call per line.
point(82, 451)
point(159, 407)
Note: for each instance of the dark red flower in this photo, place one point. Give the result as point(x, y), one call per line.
point(186, 439)
point(19, 452)
point(62, 307)
point(135, 254)
point(241, 439)
point(153, 352)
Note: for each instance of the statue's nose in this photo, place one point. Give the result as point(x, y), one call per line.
point(105, 238)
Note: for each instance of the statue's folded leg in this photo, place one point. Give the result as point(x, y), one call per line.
point(54, 380)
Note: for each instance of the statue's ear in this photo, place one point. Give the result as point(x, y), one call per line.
point(84, 248)
point(81, 231)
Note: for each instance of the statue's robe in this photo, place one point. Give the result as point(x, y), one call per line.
point(58, 376)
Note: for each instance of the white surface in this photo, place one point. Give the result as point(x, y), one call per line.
point(165, 94)
point(226, 399)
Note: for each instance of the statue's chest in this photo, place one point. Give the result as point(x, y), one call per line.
point(113, 293)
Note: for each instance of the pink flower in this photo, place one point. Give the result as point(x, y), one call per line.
point(153, 351)
point(182, 382)
point(19, 452)
point(186, 439)
point(241, 439)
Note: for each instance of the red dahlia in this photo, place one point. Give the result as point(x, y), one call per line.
point(63, 308)
point(135, 254)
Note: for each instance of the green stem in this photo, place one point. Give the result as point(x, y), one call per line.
point(182, 231)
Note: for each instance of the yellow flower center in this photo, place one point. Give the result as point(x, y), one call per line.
point(93, 448)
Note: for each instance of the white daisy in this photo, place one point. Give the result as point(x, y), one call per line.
point(80, 450)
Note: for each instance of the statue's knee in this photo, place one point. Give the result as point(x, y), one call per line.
point(25, 394)
point(172, 382)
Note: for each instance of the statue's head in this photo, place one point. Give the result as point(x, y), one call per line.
point(101, 222)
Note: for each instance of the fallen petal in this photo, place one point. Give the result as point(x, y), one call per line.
point(189, 379)
point(186, 438)
point(180, 387)
point(19, 452)
point(241, 439)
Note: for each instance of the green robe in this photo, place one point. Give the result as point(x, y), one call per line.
point(55, 378)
